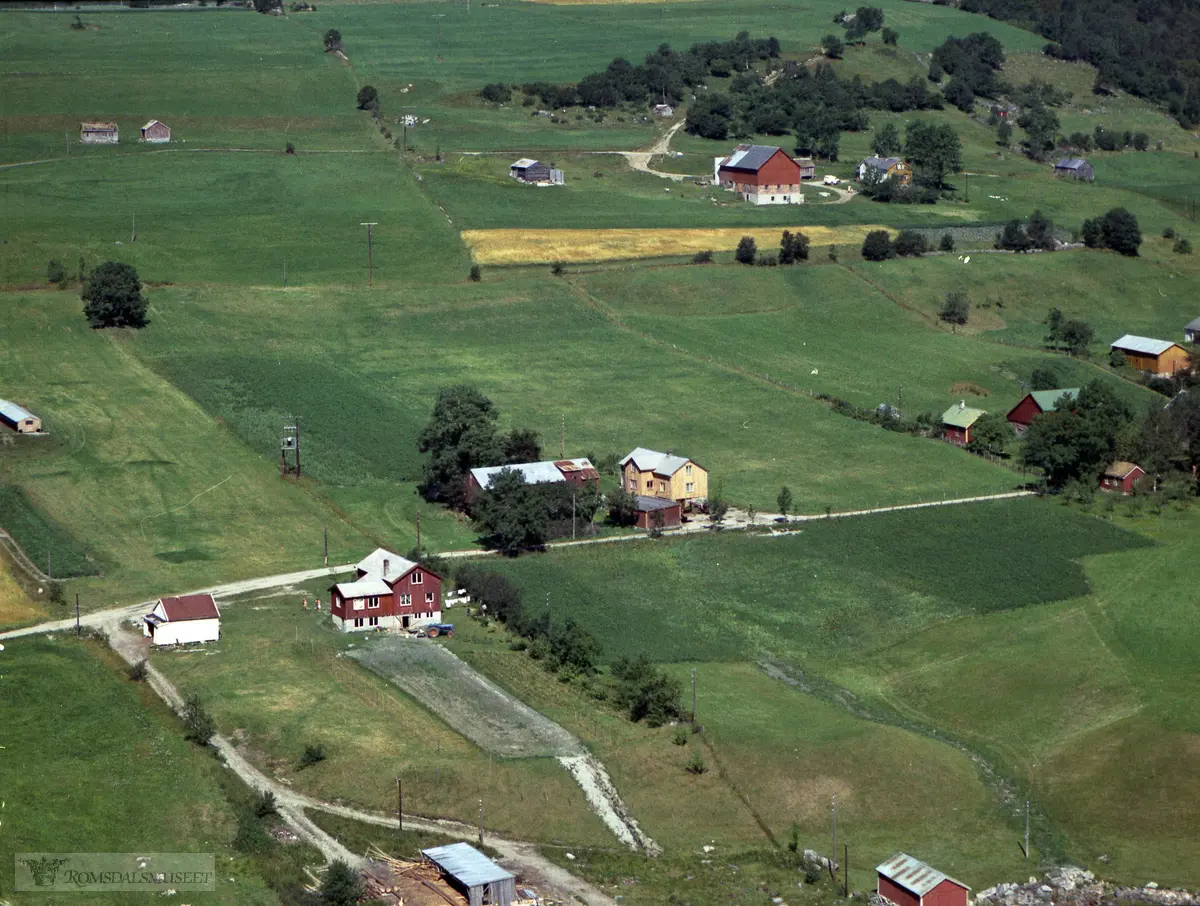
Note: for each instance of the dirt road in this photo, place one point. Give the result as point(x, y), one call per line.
point(522, 858)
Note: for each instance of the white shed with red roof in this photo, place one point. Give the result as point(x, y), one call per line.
point(183, 620)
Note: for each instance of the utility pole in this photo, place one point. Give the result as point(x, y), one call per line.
point(572, 515)
point(437, 47)
point(693, 697)
point(78, 628)
point(900, 400)
point(846, 871)
point(67, 139)
point(833, 855)
point(967, 176)
point(326, 545)
point(370, 263)
point(1026, 828)
point(481, 822)
point(399, 804)
point(133, 233)
point(418, 532)
point(285, 271)
point(562, 438)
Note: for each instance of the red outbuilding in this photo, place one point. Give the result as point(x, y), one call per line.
point(1122, 477)
point(646, 507)
point(1021, 415)
point(388, 593)
point(761, 174)
point(906, 881)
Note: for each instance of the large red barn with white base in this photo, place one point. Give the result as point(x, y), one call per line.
point(906, 881)
point(390, 592)
point(761, 174)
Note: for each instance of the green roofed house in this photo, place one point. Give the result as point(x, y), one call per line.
point(957, 422)
point(1021, 415)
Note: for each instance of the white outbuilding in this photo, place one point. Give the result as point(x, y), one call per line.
point(183, 620)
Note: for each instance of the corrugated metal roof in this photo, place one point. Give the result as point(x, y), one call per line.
point(14, 412)
point(524, 163)
point(466, 864)
point(1193, 325)
point(650, 504)
point(190, 607)
point(532, 472)
point(665, 464)
point(363, 588)
point(1121, 469)
point(1070, 163)
point(750, 157)
point(1047, 398)
point(153, 123)
point(1144, 345)
point(913, 874)
point(372, 564)
point(961, 416)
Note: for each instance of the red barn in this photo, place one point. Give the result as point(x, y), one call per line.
point(388, 593)
point(1021, 415)
point(761, 174)
point(906, 881)
point(1122, 477)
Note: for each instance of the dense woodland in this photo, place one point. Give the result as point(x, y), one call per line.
point(1150, 48)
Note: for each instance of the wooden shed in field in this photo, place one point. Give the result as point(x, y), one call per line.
point(467, 869)
point(156, 132)
point(1021, 415)
point(1076, 168)
point(1122, 477)
point(19, 418)
point(906, 881)
point(535, 172)
point(98, 133)
point(957, 422)
point(1154, 356)
point(1191, 333)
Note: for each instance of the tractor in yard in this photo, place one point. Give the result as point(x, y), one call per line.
point(433, 630)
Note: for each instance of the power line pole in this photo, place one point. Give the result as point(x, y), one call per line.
point(833, 855)
point(481, 822)
point(572, 515)
point(326, 545)
point(418, 532)
point(693, 697)
point(562, 438)
point(78, 628)
point(133, 233)
point(370, 263)
point(399, 804)
point(285, 271)
point(1026, 828)
point(846, 871)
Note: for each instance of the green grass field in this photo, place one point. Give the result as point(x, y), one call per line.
point(123, 778)
point(1020, 629)
point(278, 681)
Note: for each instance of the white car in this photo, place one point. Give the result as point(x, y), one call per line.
point(831, 180)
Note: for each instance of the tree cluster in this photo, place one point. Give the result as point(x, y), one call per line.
point(645, 691)
point(461, 435)
point(879, 246)
point(514, 516)
point(1149, 48)
point(1069, 335)
point(1037, 233)
point(972, 64)
point(1117, 230)
point(866, 19)
point(1077, 443)
point(1108, 140)
point(112, 297)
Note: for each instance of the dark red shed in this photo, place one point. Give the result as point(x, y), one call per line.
point(1122, 476)
point(648, 506)
point(1021, 415)
point(906, 881)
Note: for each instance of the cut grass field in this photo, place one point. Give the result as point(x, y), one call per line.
point(1019, 629)
point(278, 681)
point(543, 246)
point(123, 779)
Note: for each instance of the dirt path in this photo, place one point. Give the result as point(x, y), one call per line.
point(523, 858)
point(640, 160)
point(497, 722)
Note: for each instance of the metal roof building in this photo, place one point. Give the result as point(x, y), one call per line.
point(1144, 345)
point(910, 882)
point(19, 418)
point(479, 877)
point(549, 472)
point(665, 464)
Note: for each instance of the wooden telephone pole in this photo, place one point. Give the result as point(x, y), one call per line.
point(370, 262)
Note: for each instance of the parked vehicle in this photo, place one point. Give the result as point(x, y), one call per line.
point(433, 630)
point(831, 180)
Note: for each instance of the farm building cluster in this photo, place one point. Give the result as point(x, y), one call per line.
point(575, 472)
point(154, 132)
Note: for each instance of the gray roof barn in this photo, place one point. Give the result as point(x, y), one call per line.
point(1191, 333)
point(1076, 167)
point(470, 870)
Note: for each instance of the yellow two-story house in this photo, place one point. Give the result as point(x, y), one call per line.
point(650, 474)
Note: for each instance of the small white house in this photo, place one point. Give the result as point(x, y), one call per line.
point(182, 620)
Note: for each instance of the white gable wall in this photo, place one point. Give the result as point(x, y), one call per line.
point(187, 631)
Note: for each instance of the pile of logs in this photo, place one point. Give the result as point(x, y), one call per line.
point(388, 879)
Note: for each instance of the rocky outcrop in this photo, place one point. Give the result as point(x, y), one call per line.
point(1070, 886)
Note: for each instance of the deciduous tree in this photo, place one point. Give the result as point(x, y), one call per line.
point(113, 297)
point(934, 150)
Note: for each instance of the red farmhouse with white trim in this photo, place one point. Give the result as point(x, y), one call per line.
point(761, 174)
point(906, 881)
point(389, 593)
